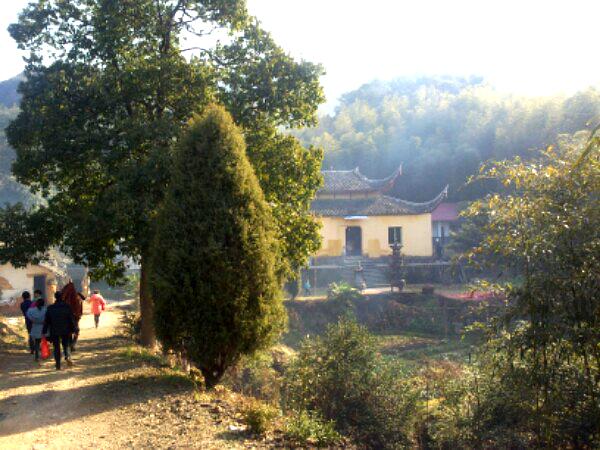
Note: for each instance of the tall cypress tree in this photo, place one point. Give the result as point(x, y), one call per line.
point(215, 286)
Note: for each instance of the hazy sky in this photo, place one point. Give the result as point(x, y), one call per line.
point(523, 46)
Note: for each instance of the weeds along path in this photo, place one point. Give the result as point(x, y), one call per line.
point(107, 400)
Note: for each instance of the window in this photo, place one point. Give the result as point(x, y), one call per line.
point(394, 235)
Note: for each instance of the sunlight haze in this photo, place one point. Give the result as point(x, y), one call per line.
point(300, 224)
point(533, 47)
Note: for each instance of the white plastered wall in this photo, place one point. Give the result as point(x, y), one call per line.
point(21, 279)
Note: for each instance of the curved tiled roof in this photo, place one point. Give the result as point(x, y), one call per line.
point(352, 181)
point(381, 205)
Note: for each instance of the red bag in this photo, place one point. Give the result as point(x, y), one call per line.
point(45, 348)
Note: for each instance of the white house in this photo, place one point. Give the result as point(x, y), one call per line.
point(13, 280)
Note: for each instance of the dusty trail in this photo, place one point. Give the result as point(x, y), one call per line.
point(106, 400)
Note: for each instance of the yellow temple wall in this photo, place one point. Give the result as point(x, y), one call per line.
point(416, 235)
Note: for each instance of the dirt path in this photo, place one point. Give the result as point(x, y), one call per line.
point(107, 400)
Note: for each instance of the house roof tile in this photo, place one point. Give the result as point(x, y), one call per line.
point(381, 205)
point(351, 181)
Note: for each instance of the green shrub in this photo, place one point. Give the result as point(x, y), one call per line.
point(342, 377)
point(143, 355)
point(216, 255)
point(256, 376)
point(259, 416)
point(132, 286)
point(131, 325)
point(341, 298)
point(343, 292)
point(308, 428)
point(536, 382)
point(491, 405)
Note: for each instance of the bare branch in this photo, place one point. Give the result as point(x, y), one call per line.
point(192, 48)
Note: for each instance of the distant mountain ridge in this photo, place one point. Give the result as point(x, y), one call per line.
point(441, 128)
point(11, 191)
point(8, 91)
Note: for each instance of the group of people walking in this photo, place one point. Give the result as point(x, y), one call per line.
point(58, 322)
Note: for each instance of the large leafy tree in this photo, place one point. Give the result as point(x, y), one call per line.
point(539, 381)
point(215, 284)
point(109, 84)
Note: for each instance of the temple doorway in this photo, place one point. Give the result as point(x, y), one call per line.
point(353, 241)
point(39, 284)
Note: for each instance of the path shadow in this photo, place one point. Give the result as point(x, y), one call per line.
point(93, 358)
point(55, 407)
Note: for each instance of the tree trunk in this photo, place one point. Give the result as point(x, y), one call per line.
point(212, 376)
point(147, 335)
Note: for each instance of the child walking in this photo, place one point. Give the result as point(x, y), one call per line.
point(98, 305)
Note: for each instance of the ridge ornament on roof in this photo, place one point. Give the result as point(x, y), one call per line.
point(352, 181)
point(381, 205)
point(341, 196)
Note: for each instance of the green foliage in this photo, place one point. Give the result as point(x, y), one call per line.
point(342, 292)
point(110, 85)
point(292, 286)
point(143, 355)
point(441, 129)
point(537, 380)
point(343, 378)
point(341, 297)
point(215, 286)
point(132, 285)
point(498, 403)
point(259, 416)
point(258, 376)
point(307, 428)
point(289, 175)
point(131, 324)
point(26, 235)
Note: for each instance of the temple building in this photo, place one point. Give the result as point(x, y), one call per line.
point(444, 221)
point(359, 218)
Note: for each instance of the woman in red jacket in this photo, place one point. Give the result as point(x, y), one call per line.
point(98, 305)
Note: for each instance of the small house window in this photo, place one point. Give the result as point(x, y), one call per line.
point(394, 235)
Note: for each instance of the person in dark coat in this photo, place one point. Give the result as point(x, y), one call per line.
point(60, 324)
point(25, 305)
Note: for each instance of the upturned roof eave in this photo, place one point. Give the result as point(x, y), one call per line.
point(344, 207)
point(348, 191)
point(381, 185)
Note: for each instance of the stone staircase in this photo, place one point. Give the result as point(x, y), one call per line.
point(374, 271)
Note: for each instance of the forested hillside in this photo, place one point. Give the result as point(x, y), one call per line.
point(8, 91)
point(441, 129)
point(10, 190)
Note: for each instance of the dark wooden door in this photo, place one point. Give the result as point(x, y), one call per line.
point(39, 283)
point(353, 241)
